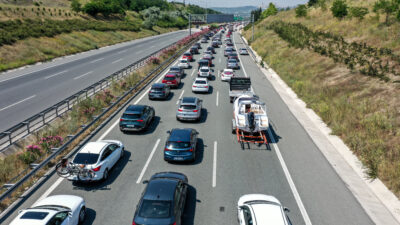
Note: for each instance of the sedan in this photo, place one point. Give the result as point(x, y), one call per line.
point(203, 40)
point(227, 74)
point(184, 64)
point(232, 64)
point(210, 48)
point(54, 210)
point(176, 69)
point(204, 71)
point(194, 50)
point(227, 52)
point(136, 118)
point(233, 55)
point(258, 209)
point(189, 109)
point(200, 85)
point(181, 145)
point(243, 51)
point(163, 200)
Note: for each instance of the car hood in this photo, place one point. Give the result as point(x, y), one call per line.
point(69, 201)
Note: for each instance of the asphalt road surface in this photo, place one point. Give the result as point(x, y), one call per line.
point(292, 168)
point(28, 91)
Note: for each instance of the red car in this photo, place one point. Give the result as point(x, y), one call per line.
point(172, 80)
point(188, 56)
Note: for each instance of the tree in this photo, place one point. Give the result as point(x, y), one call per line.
point(272, 10)
point(386, 6)
point(301, 11)
point(257, 14)
point(76, 5)
point(312, 2)
point(339, 9)
point(358, 12)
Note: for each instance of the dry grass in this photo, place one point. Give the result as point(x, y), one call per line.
point(363, 111)
point(11, 12)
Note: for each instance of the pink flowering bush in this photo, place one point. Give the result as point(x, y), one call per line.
point(154, 60)
point(31, 154)
point(49, 142)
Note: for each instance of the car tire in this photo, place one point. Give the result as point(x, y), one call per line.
point(105, 175)
point(82, 215)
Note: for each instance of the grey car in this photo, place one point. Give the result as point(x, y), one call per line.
point(189, 109)
point(232, 64)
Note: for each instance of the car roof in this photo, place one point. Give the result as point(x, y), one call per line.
point(203, 60)
point(160, 189)
point(93, 147)
point(158, 85)
point(180, 134)
point(228, 70)
point(187, 100)
point(135, 108)
point(201, 78)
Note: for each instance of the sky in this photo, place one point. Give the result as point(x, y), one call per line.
point(237, 3)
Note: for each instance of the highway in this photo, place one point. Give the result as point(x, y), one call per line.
point(28, 91)
point(292, 169)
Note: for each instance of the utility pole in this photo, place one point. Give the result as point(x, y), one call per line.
point(190, 24)
point(252, 33)
point(206, 13)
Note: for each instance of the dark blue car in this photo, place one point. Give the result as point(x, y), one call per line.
point(163, 200)
point(181, 145)
point(136, 118)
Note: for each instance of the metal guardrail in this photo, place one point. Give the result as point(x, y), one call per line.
point(34, 123)
point(249, 49)
point(13, 187)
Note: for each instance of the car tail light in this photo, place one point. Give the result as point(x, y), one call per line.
point(194, 86)
point(139, 120)
point(133, 223)
point(191, 150)
point(120, 120)
point(166, 149)
point(180, 110)
point(206, 86)
point(97, 169)
point(195, 110)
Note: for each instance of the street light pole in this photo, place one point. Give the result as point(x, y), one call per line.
point(252, 33)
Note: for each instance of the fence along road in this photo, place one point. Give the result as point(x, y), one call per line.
point(222, 172)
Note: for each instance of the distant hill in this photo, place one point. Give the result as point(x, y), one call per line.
point(235, 10)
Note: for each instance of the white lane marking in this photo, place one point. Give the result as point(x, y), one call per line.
point(290, 181)
point(55, 74)
point(240, 60)
point(214, 178)
point(23, 100)
point(96, 60)
point(180, 96)
point(117, 60)
point(51, 189)
point(192, 73)
point(217, 98)
point(148, 162)
point(122, 51)
point(80, 76)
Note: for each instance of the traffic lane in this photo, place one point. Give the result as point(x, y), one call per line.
point(316, 180)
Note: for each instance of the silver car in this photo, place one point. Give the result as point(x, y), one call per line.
point(232, 64)
point(243, 51)
point(189, 109)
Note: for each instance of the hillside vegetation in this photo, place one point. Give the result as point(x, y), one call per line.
point(346, 69)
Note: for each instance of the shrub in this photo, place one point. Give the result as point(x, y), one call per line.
point(30, 155)
point(76, 5)
point(358, 12)
point(312, 2)
point(270, 11)
point(386, 6)
point(36, 3)
point(339, 9)
point(49, 142)
point(155, 60)
point(301, 11)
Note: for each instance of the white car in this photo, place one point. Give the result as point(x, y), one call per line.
point(54, 210)
point(204, 71)
point(183, 63)
point(200, 85)
point(227, 74)
point(100, 157)
point(259, 209)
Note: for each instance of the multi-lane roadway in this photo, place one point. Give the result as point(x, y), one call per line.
point(291, 169)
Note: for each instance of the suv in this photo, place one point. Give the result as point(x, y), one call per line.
point(159, 91)
point(163, 200)
point(204, 71)
point(194, 50)
point(136, 118)
point(176, 69)
point(181, 145)
point(189, 109)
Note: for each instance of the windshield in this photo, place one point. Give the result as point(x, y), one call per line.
point(232, 61)
point(177, 145)
point(187, 54)
point(156, 89)
point(155, 209)
point(86, 158)
point(183, 61)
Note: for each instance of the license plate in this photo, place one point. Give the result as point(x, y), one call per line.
point(169, 82)
point(178, 158)
point(130, 125)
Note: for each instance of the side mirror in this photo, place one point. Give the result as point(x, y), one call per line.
point(145, 182)
point(168, 132)
point(286, 209)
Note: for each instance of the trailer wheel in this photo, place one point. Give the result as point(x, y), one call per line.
point(242, 145)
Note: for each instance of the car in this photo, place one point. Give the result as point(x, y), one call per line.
point(203, 63)
point(188, 56)
point(203, 40)
point(208, 53)
point(159, 91)
point(176, 69)
point(232, 64)
point(163, 200)
point(100, 157)
point(215, 44)
point(172, 80)
point(243, 51)
point(181, 145)
point(184, 64)
point(194, 50)
point(136, 118)
point(204, 71)
point(210, 48)
point(227, 74)
point(227, 51)
point(54, 210)
point(189, 108)
point(197, 44)
point(229, 44)
point(200, 85)
point(233, 55)
point(260, 209)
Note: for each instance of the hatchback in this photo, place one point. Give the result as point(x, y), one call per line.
point(189, 109)
point(181, 145)
point(136, 118)
point(204, 71)
point(233, 55)
point(183, 64)
point(243, 51)
point(200, 85)
point(227, 74)
point(176, 69)
point(188, 56)
point(163, 200)
point(232, 64)
point(159, 91)
point(172, 80)
point(227, 52)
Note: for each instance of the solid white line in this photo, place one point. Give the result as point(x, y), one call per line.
point(192, 73)
point(55, 74)
point(51, 189)
point(180, 96)
point(214, 178)
point(240, 60)
point(290, 181)
point(117, 60)
point(17, 102)
point(148, 162)
point(96, 60)
point(217, 98)
point(80, 76)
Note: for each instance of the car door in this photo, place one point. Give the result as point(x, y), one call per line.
point(60, 218)
point(145, 115)
point(115, 153)
point(177, 205)
point(105, 159)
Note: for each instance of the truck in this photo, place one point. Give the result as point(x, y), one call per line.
point(239, 86)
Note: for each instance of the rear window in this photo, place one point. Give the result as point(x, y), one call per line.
point(204, 70)
point(131, 116)
point(173, 144)
point(34, 215)
point(188, 107)
point(169, 78)
point(201, 82)
point(157, 89)
point(155, 209)
point(232, 61)
point(86, 158)
point(187, 54)
point(228, 73)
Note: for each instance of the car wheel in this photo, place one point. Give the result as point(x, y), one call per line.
point(82, 215)
point(105, 175)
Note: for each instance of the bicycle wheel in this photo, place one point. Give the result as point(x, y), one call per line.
point(62, 171)
point(85, 174)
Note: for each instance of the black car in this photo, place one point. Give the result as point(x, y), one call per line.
point(215, 44)
point(181, 145)
point(159, 91)
point(176, 69)
point(194, 50)
point(163, 200)
point(198, 45)
point(136, 118)
point(212, 49)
